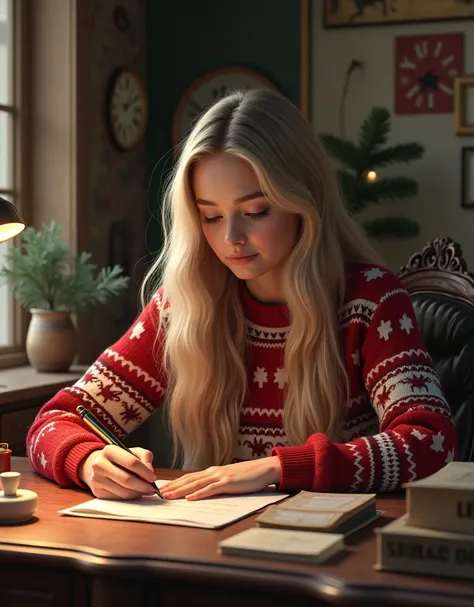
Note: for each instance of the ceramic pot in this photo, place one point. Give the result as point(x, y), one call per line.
point(50, 341)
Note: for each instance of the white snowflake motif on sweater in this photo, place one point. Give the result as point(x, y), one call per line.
point(384, 329)
point(260, 376)
point(406, 324)
point(137, 331)
point(437, 444)
point(281, 378)
point(43, 460)
point(373, 274)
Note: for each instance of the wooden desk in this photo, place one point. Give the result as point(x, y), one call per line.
point(76, 562)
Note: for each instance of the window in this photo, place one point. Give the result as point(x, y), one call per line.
point(9, 171)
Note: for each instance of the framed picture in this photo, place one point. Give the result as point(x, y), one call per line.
point(352, 13)
point(464, 105)
point(425, 68)
point(305, 54)
point(467, 177)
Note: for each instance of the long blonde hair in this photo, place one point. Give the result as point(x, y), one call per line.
point(204, 351)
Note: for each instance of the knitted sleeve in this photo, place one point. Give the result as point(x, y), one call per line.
point(416, 435)
point(122, 388)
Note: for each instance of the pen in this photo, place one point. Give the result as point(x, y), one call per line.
point(107, 436)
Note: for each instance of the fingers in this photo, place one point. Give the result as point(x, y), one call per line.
point(116, 474)
point(208, 491)
point(187, 478)
point(129, 462)
point(109, 489)
point(143, 455)
point(190, 485)
point(121, 477)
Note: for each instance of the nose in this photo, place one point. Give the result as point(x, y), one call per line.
point(234, 234)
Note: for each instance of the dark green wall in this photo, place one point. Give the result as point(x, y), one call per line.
point(186, 38)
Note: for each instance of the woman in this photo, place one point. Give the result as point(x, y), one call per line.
point(287, 354)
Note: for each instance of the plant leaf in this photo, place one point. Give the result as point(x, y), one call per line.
point(44, 273)
point(406, 152)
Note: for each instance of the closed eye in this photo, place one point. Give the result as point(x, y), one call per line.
point(260, 215)
point(211, 219)
point(257, 216)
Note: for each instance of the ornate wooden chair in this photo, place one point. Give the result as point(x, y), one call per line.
point(442, 291)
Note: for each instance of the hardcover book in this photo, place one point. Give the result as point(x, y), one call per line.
point(404, 548)
point(283, 545)
point(324, 512)
point(444, 500)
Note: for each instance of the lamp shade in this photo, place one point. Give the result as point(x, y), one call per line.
point(11, 222)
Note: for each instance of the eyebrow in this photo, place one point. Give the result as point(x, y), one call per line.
point(246, 198)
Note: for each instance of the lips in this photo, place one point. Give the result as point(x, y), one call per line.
point(236, 257)
point(241, 259)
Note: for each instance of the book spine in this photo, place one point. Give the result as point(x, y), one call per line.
point(441, 509)
point(434, 556)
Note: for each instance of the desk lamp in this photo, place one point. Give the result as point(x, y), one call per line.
point(11, 223)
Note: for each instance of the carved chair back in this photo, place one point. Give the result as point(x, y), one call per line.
point(442, 292)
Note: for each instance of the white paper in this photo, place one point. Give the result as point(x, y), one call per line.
point(210, 513)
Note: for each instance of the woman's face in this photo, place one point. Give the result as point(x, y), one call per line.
point(249, 235)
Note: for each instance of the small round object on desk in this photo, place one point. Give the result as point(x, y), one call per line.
point(16, 505)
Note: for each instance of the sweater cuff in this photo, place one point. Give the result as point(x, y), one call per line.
point(75, 457)
point(297, 467)
point(307, 467)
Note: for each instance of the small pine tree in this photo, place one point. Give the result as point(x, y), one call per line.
point(44, 273)
point(368, 154)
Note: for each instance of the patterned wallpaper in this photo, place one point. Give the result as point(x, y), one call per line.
point(117, 220)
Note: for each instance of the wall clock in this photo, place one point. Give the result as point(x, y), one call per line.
point(209, 87)
point(425, 68)
point(127, 109)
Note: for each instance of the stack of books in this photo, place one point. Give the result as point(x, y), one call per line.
point(436, 535)
point(307, 528)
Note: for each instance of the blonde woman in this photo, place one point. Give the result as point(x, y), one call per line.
point(287, 354)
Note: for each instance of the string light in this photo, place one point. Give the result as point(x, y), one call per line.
point(371, 176)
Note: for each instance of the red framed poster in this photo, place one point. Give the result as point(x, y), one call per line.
point(425, 68)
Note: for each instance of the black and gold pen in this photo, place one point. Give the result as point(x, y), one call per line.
point(107, 436)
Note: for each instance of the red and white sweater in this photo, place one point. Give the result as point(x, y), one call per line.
point(398, 425)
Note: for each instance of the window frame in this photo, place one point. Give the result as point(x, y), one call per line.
point(15, 355)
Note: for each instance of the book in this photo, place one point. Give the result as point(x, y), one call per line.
point(407, 549)
point(444, 500)
point(210, 513)
point(283, 545)
point(324, 512)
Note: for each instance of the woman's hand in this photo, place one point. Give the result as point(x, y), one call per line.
point(244, 477)
point(113, 473)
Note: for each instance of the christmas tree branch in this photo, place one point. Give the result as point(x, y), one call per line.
point(405, 152)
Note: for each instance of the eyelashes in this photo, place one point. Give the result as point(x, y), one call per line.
point(254, 216)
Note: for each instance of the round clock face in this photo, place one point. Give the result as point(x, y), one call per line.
point(127, 109)
point(205, 90)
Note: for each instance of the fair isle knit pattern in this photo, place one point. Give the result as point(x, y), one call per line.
point(398, 426)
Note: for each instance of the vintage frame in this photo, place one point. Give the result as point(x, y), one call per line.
point(467, 177)
point(305, 58)
point(462, 84)
point(427, 10)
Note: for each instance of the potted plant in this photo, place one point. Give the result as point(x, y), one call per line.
point(52, 283)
